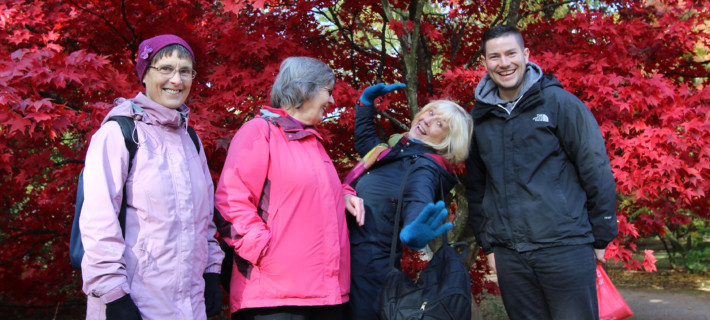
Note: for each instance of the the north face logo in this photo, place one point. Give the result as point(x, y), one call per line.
point(541, 117)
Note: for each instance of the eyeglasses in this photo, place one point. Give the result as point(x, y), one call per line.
point(169, 71)
point(330, 90)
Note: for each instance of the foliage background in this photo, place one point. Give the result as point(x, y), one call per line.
point(641, 67)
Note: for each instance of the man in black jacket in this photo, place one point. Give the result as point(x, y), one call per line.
point(541, 194)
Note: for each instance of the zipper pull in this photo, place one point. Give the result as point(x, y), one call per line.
point(423, 306)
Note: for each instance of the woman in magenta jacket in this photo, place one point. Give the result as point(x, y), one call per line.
point(285, 205)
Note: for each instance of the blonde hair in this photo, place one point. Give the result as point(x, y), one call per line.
point(454, 147)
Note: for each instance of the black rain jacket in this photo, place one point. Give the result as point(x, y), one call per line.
point(539, 176)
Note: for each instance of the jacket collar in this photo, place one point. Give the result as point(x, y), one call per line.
point(142, 108)
point(407, 147)
point(158, 114)
point(531, 97)
point(487, 90)
point(291, 128)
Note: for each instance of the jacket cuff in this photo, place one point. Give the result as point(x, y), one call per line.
point(487, 248)
point(347, 189)
point(360, 104)
point(599, 244)
point(115, 293)
point(215, 268)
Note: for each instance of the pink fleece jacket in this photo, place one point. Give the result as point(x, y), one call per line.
point(282, 196)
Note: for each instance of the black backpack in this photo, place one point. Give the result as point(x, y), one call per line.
point(76, 248)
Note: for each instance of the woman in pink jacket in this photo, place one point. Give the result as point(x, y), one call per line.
point(167, 265)
point(285, 205)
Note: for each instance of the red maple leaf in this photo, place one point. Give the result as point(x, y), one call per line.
point(649, 261)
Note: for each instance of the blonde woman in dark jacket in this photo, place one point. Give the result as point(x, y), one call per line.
point(438, 139)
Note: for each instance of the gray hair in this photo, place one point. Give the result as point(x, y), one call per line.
point(299, 79)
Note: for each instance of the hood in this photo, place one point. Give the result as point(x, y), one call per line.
point(294, 129)
point(272, 113)
point(487, 90)
point(142, 108)
point(406, 147)
point(530, 97)
point(446, 170)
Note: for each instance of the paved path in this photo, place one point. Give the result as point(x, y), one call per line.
point(666, 305)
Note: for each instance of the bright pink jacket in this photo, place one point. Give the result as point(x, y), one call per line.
point(292, 239)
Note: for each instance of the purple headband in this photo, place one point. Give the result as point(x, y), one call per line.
point(149, 47)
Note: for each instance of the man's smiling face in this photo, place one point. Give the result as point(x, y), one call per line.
point(505, 60)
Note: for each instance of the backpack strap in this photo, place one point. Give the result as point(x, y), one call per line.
point(395, 232)
point(400, 200)
point(127, 127)
point(193, 136)
point(76, 248)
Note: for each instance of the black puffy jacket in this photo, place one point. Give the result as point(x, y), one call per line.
point(539, 176)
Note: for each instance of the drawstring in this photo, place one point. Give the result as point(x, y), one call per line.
point(134, 133)
point(514, 103)
point(137, 116)
point(184, 113)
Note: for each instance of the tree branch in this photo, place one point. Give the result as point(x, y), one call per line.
point(686, 75)
point(67, 161)
point(348, 34)
point(480, 48)
point(103, 18)
point(31, 246)
point(128, 25)
point(396, 122)
point(548, 6)
point(383, 52)
point(513, 14)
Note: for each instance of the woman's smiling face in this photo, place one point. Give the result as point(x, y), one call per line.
point(430, 127)
point(311, 111)
point(169, 91)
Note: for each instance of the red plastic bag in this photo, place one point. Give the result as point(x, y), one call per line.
point(611, 304)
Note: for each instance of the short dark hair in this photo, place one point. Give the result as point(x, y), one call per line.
point(498, 31)
point(168, 50)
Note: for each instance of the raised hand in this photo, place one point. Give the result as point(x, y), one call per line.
point(427, 226)
point(373, 92)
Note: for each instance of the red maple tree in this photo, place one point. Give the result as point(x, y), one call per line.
point(641, 66)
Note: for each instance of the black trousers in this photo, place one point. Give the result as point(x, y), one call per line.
point(551, 283)
point(336, 312)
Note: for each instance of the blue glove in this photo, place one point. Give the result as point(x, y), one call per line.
point(373, 92)
point(213, 294)
point(122, 309)
point(426, 226)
